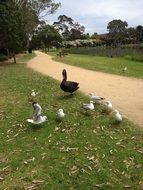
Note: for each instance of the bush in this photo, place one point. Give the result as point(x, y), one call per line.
point(3, 58)
point(134, 57)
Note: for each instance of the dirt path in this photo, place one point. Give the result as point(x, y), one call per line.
point(126, 94)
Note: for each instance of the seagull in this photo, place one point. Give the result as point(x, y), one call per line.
point(37, 117)
point(88, 106)
point(108, 106)
point(118, 116)
point(124, 69)
point(37, 111)
point(60, 114)
point(95, 98)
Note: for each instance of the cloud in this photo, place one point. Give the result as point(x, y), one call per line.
point(95, 14)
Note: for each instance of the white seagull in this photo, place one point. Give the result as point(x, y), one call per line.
point(124, 69)
point(60, 114)
point(37, 117)
point(108, 106)
point(95, 98)
point(118, 116)
point(88, 106)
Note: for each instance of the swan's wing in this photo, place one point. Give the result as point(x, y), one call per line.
point(71, 83)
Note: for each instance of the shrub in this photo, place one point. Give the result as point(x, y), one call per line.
point(3, 58)
point(134, 57)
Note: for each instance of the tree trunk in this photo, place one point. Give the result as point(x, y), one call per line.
point(14, 57)
point(7, 50)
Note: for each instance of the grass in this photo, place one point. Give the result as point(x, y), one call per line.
point(104, 156)
point(103, 64)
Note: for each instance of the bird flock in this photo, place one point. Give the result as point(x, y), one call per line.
point(71, 87)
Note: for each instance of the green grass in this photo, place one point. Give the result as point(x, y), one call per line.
point(104, 64)
point(106, 156)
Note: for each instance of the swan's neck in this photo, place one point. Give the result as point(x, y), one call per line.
point(64, 76)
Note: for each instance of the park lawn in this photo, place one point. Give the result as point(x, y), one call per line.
point(85, 151)
point(103, 64)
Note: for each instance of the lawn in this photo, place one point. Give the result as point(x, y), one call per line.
point(84, 151)
point(104, 64)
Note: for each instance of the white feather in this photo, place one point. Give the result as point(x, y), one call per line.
point(118, 116)
point(40, 120)
point(88, 106)
point(108, 106)
point(95, 98)
point(125, 69)
point(60, 114)
point(37, 117)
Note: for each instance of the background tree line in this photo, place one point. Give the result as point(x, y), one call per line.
point(22, 27)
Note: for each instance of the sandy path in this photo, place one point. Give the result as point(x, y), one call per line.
point(125, 93)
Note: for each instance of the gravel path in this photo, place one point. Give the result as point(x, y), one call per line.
point(126, 94)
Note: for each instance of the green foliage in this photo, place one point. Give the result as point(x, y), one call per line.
point(69, 29)
point(120, 34)
point(108, 51)
point(139, 30)
point(18, 19)
point(117, 30)
point(134, 57)
point(12, 30)
point(45, 37)
point(104, 155)
point(3, 57)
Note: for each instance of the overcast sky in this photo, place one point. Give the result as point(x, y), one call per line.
point(96, 14)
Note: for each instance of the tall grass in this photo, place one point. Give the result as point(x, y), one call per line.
point(135, 53)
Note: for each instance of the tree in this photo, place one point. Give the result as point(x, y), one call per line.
point(18, 19)
point(12, 28)
point(139, 30)
point(69, 29)
point(117, 30)
point(40, 7)
point(64, 25)
point(94, 36)
point(131, 35)
point(45, 37)
point(34, 11)
point(76, 31)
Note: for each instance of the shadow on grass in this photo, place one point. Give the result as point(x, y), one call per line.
point(105, 112)
point(59, 121)
point(4, 64)
point(115, 124)
point(86, 113)
point(65, 97)
point(34, 128)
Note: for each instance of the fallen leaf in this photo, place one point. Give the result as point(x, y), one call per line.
point(1, 178)
point(38, 181)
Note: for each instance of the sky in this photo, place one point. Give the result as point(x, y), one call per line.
point(96, 14)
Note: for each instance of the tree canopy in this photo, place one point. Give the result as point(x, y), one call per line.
point(45, 37)
point(117, 30)
point(69, 29)
point(18, 19)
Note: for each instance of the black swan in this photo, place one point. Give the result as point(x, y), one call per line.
point(68, 86)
